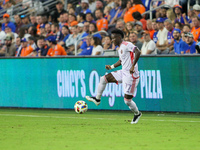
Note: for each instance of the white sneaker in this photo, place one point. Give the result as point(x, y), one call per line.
point(93, 99)
point(136, 118)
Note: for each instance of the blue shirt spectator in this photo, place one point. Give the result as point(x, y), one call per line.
point(86, 51)
point(6, 19)
point(113, 12)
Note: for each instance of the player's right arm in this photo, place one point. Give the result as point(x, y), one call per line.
point(109, 67)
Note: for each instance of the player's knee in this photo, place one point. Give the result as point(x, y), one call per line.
point(103, 80)
point(127, 101)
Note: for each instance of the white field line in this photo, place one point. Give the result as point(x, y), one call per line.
point(37, 116)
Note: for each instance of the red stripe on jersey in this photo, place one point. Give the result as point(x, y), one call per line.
point(132, 56)
point(133, 86)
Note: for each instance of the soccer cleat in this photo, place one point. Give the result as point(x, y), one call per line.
point(93, 99)
point(136, 118)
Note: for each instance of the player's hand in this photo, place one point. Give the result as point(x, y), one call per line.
point(132, 70)
point(108, 67)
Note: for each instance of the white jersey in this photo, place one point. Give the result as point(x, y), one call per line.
point(127, 55)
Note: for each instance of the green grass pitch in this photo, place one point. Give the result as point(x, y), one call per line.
point(29, 129)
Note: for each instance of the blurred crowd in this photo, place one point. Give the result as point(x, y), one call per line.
point(85, 28)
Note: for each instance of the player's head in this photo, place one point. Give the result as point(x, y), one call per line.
point(117, 36)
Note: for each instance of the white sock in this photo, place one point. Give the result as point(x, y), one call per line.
point(132, 106)
point(101, 87)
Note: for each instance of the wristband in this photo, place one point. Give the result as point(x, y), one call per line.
point(112, 66)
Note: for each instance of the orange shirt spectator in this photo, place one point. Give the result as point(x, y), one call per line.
point(26, 50)
point(196, 33)
point(102, 24)
point(151, 33)
point(57, 51)
point(144, 23)
point(128, 14)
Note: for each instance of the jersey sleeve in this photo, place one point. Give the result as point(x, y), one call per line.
point(130, 47)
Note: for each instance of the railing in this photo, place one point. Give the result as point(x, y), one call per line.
point(76, 43)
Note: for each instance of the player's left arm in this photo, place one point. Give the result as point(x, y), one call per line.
point(137, 56)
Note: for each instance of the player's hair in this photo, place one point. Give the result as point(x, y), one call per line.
point(119, 32)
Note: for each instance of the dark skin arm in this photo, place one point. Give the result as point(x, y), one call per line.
point(118, 63)
point(137, 56)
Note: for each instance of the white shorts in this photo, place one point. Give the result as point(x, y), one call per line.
point(128, 81)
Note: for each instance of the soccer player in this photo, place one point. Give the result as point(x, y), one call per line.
point(128, 76)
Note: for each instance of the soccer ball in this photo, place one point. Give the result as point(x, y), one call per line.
point(80, 107)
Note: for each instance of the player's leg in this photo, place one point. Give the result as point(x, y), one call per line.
point(129, 90)
point(109, 78)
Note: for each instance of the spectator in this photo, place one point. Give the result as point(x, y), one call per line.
point(89, 18)
point(6, 20)
point(102, 23)
point(59, 10)
point(69, 5)
point(182, 18)
point(120, 24)
point(129, 27)
point(58, 34)
point(33, 20)
point(163, 13)
point(9, 31)
point(150, 28)
point(10, 7)
point(31, 42)
point(26, 50)
point(42, 48)
point(196, 29)
point(190, 49)
point(81, 18)
point(2, 35)
point(170, 41)
point(87, 50)
point(39, 23)
point(55, 49)
point(107, 10)
point(136, 6)
point(80, 27)
point(73, 38)
point(9, 48)
point(138, 17)
point(107, 44)
point(196, 9)
point(162, 38)
point(148, 47)
point(84, 7)
point(116, 12)
point(18, 23)
point(179, 44)
point(72, 20)
point(170, 15)
point(42, 30)
point(66, 34)
point(97, 48)
point(48, 30)
point(66, 16)
point(18, 46)
point(61, 21)
point(99, 5)
point(186, 29)
point(133, 38)
point(155, 27)
point(25, 21)
point(178, 25)
point(32, 30)
point(93, 30)
point(139, 29)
